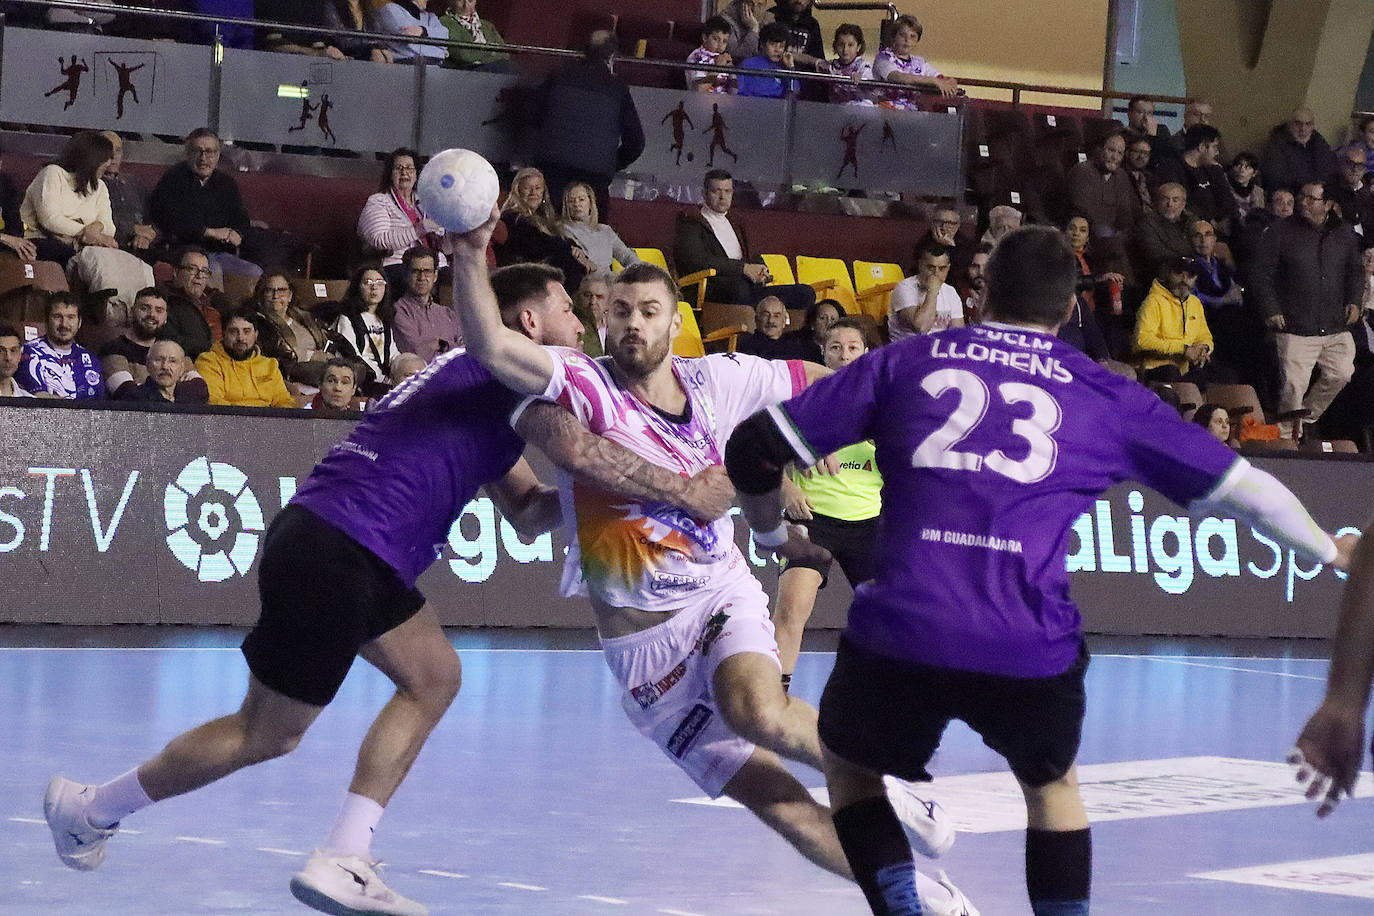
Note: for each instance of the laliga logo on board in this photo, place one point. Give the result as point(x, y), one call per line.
point(214, 520)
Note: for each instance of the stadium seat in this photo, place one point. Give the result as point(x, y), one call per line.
point(832, 271)
point(698, 280)
point(23, 285)
point(653, 256)
point(779, 267)
point(1235, 398)
point(307, 293)
point(1329, 446)
point(873, 285)
point(716, 315)
point(691, 342)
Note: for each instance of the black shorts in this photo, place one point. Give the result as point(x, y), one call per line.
point(888, 715)
point(850, 543)
point(324, 596)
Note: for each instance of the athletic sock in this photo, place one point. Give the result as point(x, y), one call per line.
point(880, 856)
point(1059, 871)
point(786, 683)
point(351, 834)
point(117, 799)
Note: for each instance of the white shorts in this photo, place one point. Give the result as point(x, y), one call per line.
point(667, 673)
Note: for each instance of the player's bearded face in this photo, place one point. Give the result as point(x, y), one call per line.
point(639, 330)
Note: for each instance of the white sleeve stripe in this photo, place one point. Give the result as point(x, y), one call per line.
point(1227, 483)
point(794, 438)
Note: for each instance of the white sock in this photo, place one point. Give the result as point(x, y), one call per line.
point(117, 799)
point(351, 834)
point(930, 891)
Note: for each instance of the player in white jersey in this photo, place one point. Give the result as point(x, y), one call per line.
point(683, 624)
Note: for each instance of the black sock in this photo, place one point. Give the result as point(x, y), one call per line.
point(786, 682)
point(880, 856)
point(1059, 871)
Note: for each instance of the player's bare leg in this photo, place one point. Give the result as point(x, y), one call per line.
point(766, 788)
point(797, 588)
point(754, 705)
point(1058, 847)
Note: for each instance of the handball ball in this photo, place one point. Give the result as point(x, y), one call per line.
point(457, 190)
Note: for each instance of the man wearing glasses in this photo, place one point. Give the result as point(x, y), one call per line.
point(193, 309)
point(423, 326)
point(195, 203)
point(1295, 154)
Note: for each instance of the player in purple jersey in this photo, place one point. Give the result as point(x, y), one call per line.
point(991, 440)
point(682, 622)
point(337, 580)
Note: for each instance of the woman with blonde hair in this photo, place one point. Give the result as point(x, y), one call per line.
point(597, 240)
point(535, 233)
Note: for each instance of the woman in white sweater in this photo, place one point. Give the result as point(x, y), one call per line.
point(67, 206)
point(597, 240)
point(392, 221)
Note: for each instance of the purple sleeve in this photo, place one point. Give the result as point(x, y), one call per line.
point(1179, 459)
point(835, 411)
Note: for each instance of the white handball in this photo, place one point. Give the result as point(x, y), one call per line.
point(457, 190)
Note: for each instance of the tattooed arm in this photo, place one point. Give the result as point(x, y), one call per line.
point(575, 449)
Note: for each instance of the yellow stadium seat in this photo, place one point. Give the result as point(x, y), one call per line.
point(832, 272)
point(691, 342)
point(780, 268)
point(655, 256)
point(873, 285)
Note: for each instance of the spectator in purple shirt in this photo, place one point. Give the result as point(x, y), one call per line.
point(423, 325)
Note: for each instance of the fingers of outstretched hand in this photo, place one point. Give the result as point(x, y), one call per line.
point(1316, 782)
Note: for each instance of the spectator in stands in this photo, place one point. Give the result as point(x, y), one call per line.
point(925, 302)
point(167, 379)
point(55, 365)
point(1215, 420)
point(237, 373)
point(590, 304)
point(337, 388)
point(195, 203)
point(403, 366)
point(1172, 340)
point(582, 226)
point(1308, 283)
point(1247, 191)
point(1140, 117)
point(1165, 234)
point(715, 36)
point(1364, 141)
point(1203, 178)
point(773, 55)
point(421, 324)
point(392, 222)
point(1196, 111)
point(194, 311)
point(332, 14)
point(1101, 191)
point(534, 234)
point(464, 24)
point(66, 206)
point(943, 229)
point(708, 238)
point(11, 352)
point(1099, 263)
point(122, 359)
point(1216, 279)
point(898, 63)
point(11, 223)
point(745, 17)
point(1003, 220)
point(1083, 332)
point(411, 19)
point(1295, 154)
point(288, 333)
point(804, 37)
point(849, 61)
point(1238, 335)
point(1137, 169)
point(976, 296)
point(365, 316)
point(131, 230)
point(819, 320)
point(1351, 193)
point(587, 126)
point(771, 339)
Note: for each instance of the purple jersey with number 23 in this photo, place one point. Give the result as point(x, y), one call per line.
point(991, 440)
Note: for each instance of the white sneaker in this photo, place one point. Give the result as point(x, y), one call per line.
point(349, 886)
point(79, 845)
point(955, 905)
point(926, 824)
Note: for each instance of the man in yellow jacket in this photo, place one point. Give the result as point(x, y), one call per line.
point(1172, 341)
point(237, 374)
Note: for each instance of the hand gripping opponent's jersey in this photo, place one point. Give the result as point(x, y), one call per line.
point(399, 480)
point(991, 441)
point(651, 556)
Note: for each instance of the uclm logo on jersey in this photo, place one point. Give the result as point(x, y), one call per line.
point(213, 519)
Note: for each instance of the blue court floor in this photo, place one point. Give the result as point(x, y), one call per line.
point(536, 796)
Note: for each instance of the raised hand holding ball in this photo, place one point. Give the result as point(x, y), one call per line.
point(457, 190)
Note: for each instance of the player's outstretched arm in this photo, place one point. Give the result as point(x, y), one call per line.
point(1260, 499)
point(531, 507)
point(518, 362)
point(1331, 747)
point(755, 458)
point(582, 453)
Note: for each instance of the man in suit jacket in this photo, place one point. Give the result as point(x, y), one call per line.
point(710, 239)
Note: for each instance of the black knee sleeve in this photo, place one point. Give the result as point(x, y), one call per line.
point(1059, 871)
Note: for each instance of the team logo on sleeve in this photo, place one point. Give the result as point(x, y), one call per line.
point(214, 520)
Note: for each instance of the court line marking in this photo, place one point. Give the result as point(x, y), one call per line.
point(679, 913)
point(205, 841)
point(29, 820)
point(616, 901)
point(1193, 664)
point(280, 852)
point(520, 887)
point(441, 874)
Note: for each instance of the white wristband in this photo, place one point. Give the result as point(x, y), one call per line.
point(775, 538)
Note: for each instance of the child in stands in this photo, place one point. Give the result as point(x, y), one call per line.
point(773, 56)
point(849, 61)
point(715, 34)
point(898, 63)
